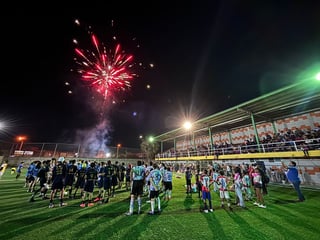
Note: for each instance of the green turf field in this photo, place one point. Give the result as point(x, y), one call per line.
point(180, 219)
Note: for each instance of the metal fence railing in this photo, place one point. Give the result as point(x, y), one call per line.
point(50, 150)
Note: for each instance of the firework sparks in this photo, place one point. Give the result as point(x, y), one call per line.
point(107, 71)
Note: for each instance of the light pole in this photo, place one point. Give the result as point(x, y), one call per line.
point(21, 139)
point(118, 146)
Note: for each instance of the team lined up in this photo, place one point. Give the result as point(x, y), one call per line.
point(67, 178)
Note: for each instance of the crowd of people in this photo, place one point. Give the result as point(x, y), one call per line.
point(58, 179)
point(247, 182)
point(282, 141)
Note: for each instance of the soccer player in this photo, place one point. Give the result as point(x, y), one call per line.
point(138, 178)
point(70, 176)
point(58, 177)
point(128, 174)
point(167, 182)
point(206, 195)
point(122, 169)
point(155, 177)
point(19, 170)
point(115, 177)
point(188, 175)
point(223, 189)
point(42, 176)
point(80, 175)
point(100, 170)
point(107, 181)
point(91, 177)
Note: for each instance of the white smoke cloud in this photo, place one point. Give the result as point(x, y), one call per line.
point(94, 141)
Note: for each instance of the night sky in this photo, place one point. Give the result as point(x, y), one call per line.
point(208, 56)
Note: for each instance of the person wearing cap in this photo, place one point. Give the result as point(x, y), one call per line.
point(293, 177)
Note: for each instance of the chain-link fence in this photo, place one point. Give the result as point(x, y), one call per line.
point(56, 150)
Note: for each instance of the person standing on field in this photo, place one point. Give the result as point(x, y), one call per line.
point(293, 177)
point(138, 178)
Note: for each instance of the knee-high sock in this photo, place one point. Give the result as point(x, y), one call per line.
point(131, 205)
point(152, 205)
point(139, 203)
point(159, 203)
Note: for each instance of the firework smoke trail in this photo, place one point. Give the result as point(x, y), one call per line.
point(94, 140)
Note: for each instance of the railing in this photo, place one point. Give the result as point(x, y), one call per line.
point(56, 150)
point(303, 146)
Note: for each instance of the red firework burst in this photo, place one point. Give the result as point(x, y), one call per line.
point(105, 71)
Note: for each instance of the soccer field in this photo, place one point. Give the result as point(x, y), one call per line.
point(180, 217)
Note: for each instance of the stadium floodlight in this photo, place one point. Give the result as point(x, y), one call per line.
point(151, 139)
point(187, 125)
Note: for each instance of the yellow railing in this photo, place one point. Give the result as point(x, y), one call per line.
point(290, 154)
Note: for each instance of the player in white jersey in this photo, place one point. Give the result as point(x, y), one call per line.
point(223, 188)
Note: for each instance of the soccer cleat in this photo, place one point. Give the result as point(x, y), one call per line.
point(151, 213)
point(205, 211)
point(97, 199)
point(255, 203)
point(63, 204)
point(128, 214)
point(31, 199)
point(51, 205)
point(90, 204)
point(82, 205)
point(261, 206)
point(211, 210)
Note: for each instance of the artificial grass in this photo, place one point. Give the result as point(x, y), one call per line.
point(284, 218)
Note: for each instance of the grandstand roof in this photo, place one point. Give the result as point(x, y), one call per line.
point(296, 99)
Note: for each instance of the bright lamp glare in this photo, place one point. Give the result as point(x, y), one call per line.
point(187, 125)
point(318, 76)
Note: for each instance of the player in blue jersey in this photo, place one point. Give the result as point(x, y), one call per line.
point(155, 177)
point(42, 176)
point(19, 170)
point(167, 182)
point(29, 176)
point(137, 178)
